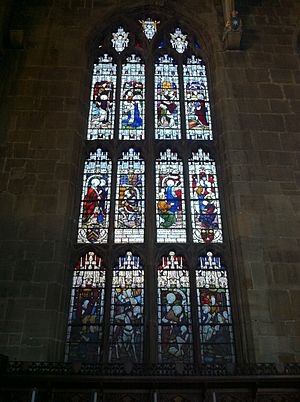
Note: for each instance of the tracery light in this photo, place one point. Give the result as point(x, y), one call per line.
point(132, 125)
point(86, 310)
point(95, 204)
point(170, 215)
point(149, 27)
point(174, 312)
point(130, 202)
point(204, 194)
point(167, 117)
point(120, 40)
point(102, 105)
point(214, 310)
point(197, 107)
point(127, 305)
point(179, 40)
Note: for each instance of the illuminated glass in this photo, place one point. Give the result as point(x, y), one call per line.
point(120, 40)
point(132, 118)
point(94, 209)
point(215, 323)
point(178, 40)
point(174, 311)
point(167, 118)
point(197, 107)
point(86, 310)
point(149, 27)
point(205, 204)
point(170, 216)
point(130, 202)
point(102, 106)
point(127, 305)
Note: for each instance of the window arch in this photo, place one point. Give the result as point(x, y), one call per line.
point(157, 192)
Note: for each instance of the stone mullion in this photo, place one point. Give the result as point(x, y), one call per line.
point(150, 218)
point(110, 258)
point(181, 100)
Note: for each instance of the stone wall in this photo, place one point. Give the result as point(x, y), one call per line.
point(256, 103)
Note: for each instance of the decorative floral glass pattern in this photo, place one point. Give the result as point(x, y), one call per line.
point(178, 40)
point(86, 310)
point(215, 323)
point(197, 107)
point(130, 202)
point(94, 209)
point(170, 216)
point(174, 312)
point(127, 304)
point(102, 106)
point(204, 193)
point(167, 118)
point(132, 124)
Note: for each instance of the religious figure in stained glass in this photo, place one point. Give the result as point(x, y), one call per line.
point(127, 303)
point(149, 27)
point(170, 199)
point(120, 40)
point(204, 193)
point(129, 223)
point(179, 41)
point(94, 211)
point(102, 107)
point(174, 316)
point(132, 100)
point(197, 106)
point(216, 334)
point(86, 310)
point(167, 99)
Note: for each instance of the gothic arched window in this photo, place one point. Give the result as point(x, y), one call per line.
point(150, 208)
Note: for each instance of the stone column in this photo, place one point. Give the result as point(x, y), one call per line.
point(232, 26)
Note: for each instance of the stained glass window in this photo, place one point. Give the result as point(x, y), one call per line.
point(132, 118)
point(204, 193)
point(94, 210)
point(120, 40)
point(127, 310)
point(149, 27)
point(197, 107)
point(170, 216)
point(130, 202)
point(216, 334)
point(178, 40)
point(167, 118)
point(174, 312)
point(114, 193)
point(86, 310)
point(102, 106)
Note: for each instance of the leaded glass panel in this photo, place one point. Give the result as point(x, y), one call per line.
point(94, 209)
point(170, 215)
point(197, 107)
point(167, 116)
point(149, 27)
point(215, 323)
point(86, 310)
point(130, 202)
point(127, 310)
point(174, 312)
point(178, 40)
point(132, 116)
point(205, 204)
point(102, 105)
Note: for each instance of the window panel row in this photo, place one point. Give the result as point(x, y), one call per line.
point(168, 96)
point(129, 222)
point(174, 317)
